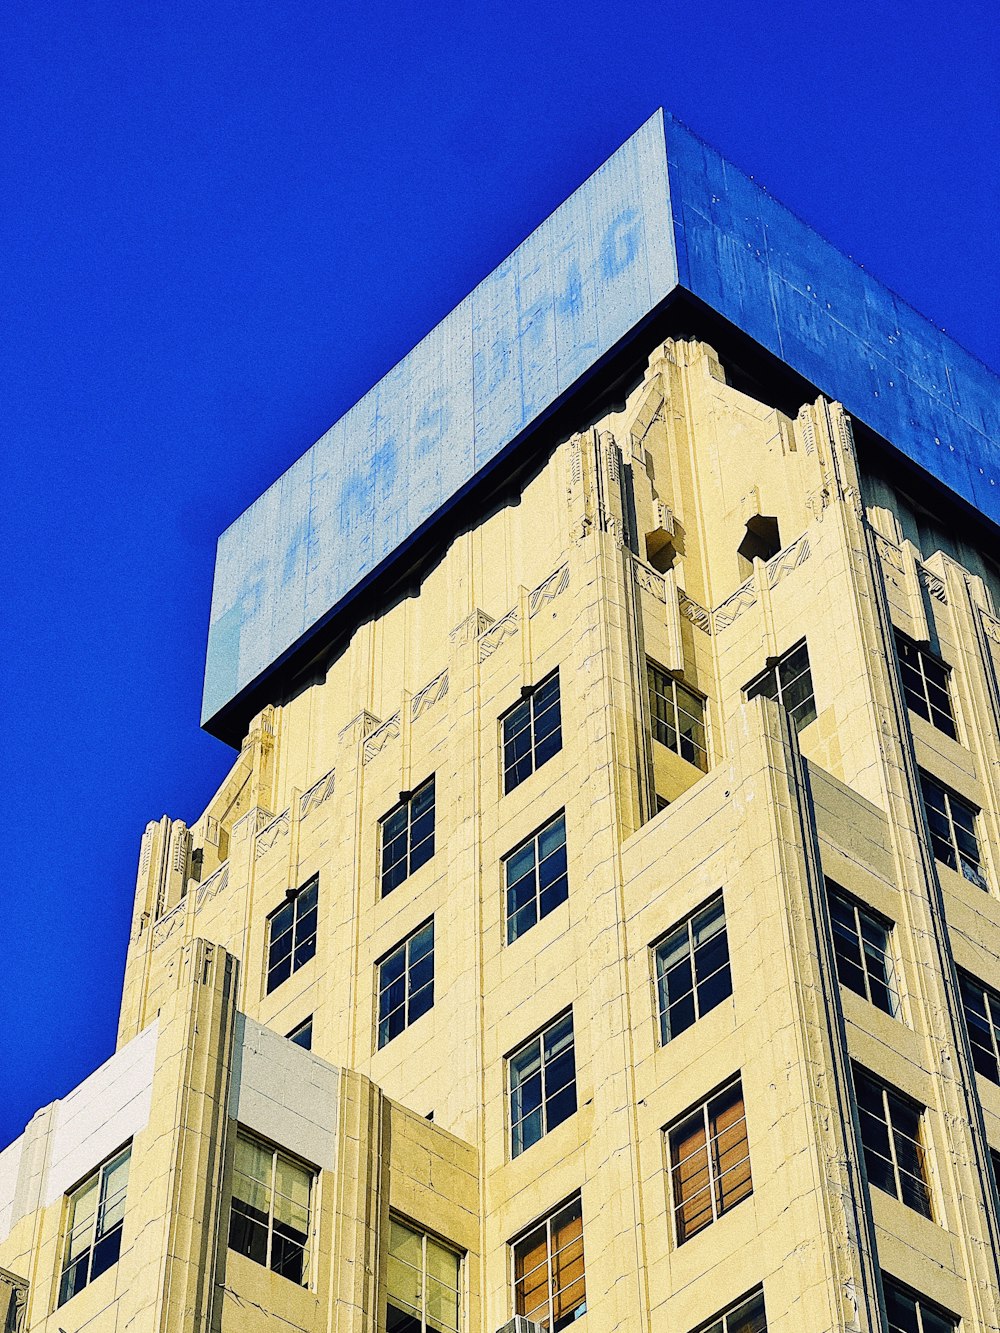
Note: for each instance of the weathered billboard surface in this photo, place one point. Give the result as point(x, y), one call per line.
point(665, 212)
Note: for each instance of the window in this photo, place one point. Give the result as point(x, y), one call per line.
point(952, 824)
point(94, 1226)
point(746, 1316)
point(789, 683)
point(424, 1282)
point(406, 983)
point(549, 1280)
point(678, 716)
point(891, 1139)
point(542, 1084)
point(982, 1018)
point(303, 1034)
point(925, 685)
point(407, 836)
point(709, 1162)
point(269, 1218)
point(535, 877)
point(910, 1313)
point(291, 933)
point(995, 1163)
point(862, 947)
point(532, 732)
point(692, 970)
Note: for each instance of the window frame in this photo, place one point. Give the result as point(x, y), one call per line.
point(890, 1095)
point(713, 1155)
point(293, 898)
point(313, 1206)
point(298, 1030)
point(670, 678)
point(662, 1010)
point(958, 860)
point(548, 1321)
point(920, 1302)
point(100, 1174)
point(719, 1323)
point(913, 658)
point(861, 909)
point(534, 838)
point(411, 863)
point(757, 685)
point(529, 703)
point(538, 1039)
point(991, 1012)
point(404, 946)
point(426, 1235)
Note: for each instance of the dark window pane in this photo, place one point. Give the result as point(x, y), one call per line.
point(248, 1232)
point(542, 1077)
point(531, 732)
point(303, 1035)
point(406, 984)
point(692, 970)
point(407, 834)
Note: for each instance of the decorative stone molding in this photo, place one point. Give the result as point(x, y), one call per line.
point(818, 501)
point(991, 626)
point(505, 628)
point(691, 610)
point(360, 727)
point(429, 695)
point(650, 581)
point(934, 585)
point(212, 886)
point(318, 793)
point(729, 611)
point(181, 848)
point(146, 847)
point(250, 824)
point(650, 411)
point(168, 925)
point(13, 1302)
point(793, 555)
point(548, 590)
point(785, 561)
point(471, 627)
point(279, 827)
point(889, 553)
point(377, 741)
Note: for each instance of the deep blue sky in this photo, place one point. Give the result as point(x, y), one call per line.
point(223, 222)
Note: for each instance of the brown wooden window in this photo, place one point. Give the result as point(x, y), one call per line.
point(549, 1280)
point(709, 1161)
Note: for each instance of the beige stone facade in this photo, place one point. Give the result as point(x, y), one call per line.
point(701, 529)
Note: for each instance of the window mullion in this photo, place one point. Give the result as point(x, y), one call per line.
point(538, 878)
point(989, 1006)
point(694, 976)
point(423, 1282)
point(550, 1269)
point(543, 1083)
point(270, 1206)
point(864, 954)
point(710, 1154)
point(887, 1112)
point(959, 854)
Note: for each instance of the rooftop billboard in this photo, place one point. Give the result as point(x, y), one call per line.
point(664, 214)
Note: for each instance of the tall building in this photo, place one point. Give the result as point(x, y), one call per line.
point(601, 918)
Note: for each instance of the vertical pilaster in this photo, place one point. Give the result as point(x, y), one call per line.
point(805, 1160)
point(179, 1243)
point(963, 1167)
